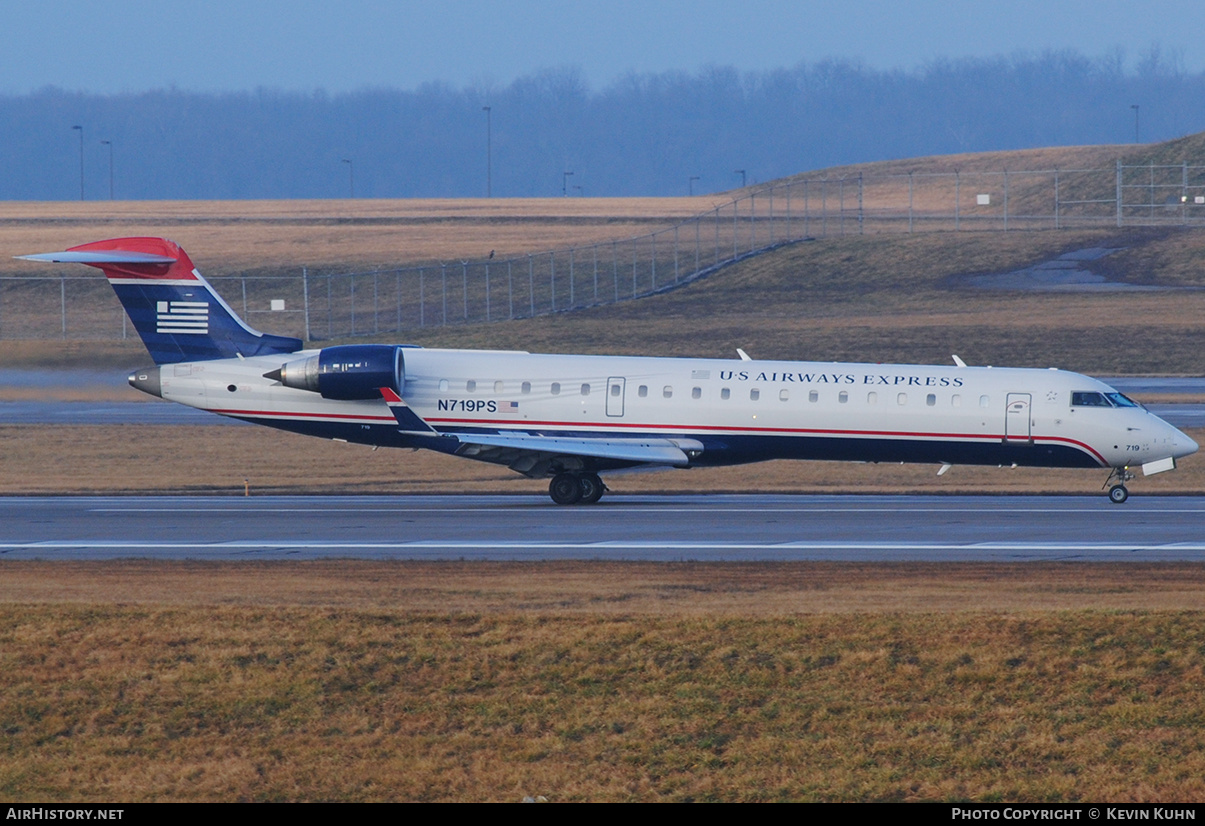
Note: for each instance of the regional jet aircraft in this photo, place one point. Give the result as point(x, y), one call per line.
point(570, 418)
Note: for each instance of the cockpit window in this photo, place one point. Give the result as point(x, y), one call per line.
point(1089, 400)
point(1121, 400)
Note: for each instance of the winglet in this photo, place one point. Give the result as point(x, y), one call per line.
point(410, 421)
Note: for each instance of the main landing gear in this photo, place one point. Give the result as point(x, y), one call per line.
point(1118, 492)
point(576, 488)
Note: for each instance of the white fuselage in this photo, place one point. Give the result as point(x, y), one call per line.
point(740, 410)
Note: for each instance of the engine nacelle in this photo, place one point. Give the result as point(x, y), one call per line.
point(347, 372)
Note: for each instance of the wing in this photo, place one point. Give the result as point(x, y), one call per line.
point(534, 455)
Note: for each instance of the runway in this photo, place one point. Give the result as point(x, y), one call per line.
point(649, 528)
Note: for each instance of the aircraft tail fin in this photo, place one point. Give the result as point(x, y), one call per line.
point(178, 314)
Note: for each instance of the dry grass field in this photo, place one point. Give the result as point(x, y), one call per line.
point(603, 682)
point(228, 237)
point(356, 681)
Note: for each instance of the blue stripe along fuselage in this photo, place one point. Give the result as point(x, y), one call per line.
point(721, 449)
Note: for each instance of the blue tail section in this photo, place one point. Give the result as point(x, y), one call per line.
point(176, 312)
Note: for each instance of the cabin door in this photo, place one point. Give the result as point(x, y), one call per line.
point(615, 396)
point(1017, 418)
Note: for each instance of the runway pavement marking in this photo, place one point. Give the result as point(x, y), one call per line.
point(603, 545)
point(234, 510)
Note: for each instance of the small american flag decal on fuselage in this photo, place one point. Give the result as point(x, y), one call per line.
point(183, 317)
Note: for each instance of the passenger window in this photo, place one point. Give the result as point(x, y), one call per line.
point(443, 384)
point(931, 399)
point(556, 388)
point(526, 387)
point(470, 385)
point(901, 399)
point(667, 392)
point(984, 401)
point(696, 392)
point(872, 397)
point(754, 394)
point(498, 387)
point(956, 400)
point(643, 391)
point(585, 390)
point(784, 394)
point(813, 396)
point(725, 393)
point(843, 397)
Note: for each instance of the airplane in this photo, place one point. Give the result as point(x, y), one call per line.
point(570, 418)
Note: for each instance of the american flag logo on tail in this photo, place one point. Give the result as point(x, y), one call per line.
point(183, 317)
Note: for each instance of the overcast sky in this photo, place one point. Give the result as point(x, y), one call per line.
point(135, 45)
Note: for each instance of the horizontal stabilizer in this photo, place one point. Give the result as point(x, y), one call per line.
point(98, 257)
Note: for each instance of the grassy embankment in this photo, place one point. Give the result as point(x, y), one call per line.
point(369, 681)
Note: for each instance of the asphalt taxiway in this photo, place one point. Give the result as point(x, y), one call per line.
point(621, 527)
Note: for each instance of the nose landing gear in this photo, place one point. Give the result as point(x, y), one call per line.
point(1118, 492)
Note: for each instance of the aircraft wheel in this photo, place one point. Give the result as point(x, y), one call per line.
point(1118, 494)
point(565, 489)
point(592, 488)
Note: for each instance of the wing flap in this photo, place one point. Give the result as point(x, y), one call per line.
point(641, 451)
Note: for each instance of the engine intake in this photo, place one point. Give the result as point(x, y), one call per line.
point(347, 372)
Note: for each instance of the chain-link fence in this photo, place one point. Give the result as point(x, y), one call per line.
point(327, 306)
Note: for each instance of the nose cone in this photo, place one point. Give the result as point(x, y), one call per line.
point(1183, 446)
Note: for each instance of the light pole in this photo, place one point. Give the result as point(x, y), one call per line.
point(351, 178)
point(110, 145)
point(565, 184)
point(1135, 108)
point(693, 178)
point(489, 154)
point(81, 161)
point(740, 172)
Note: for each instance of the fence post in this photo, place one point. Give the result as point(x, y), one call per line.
point(910, 201)
point(675, 253)
point(305, 302)
point(1184, 192)
point(1118, 192)
point(861, 215)
point(771, 216)
point(957, 198)
point(841, 206)
point(1056, 198)
point(615, 267)
point(1006, 200)
point(753, 222)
